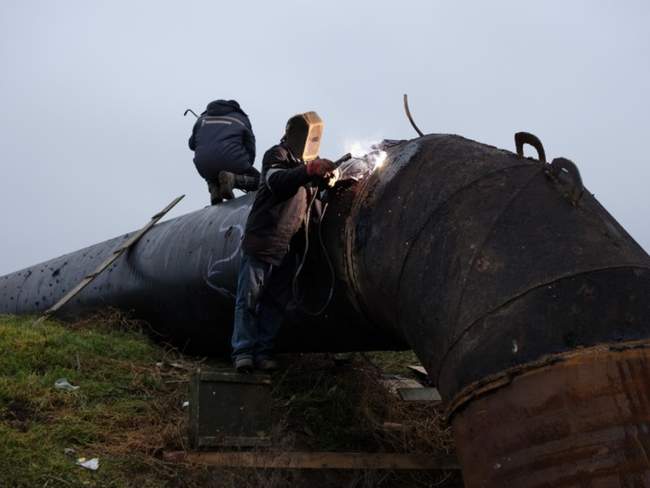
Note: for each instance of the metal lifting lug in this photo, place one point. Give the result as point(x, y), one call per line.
point(522, 138)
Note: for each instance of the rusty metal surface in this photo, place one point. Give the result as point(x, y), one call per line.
point(581, 420)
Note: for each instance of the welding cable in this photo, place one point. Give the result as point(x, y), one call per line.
point(294, 286)
point(328, 259)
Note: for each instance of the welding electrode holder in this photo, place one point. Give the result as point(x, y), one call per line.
point(342, 159)
point(323, 185)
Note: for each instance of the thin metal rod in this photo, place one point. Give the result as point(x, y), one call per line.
point(408, 114)
point(190, 110)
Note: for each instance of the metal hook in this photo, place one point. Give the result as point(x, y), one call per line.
point(190, 110)
point(563, 166)
point(522, 138)
point(408, 114)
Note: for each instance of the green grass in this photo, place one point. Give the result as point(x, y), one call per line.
point(393, 362)
point(127, 411)
point(111, 416)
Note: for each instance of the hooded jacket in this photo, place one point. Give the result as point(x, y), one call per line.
point(222, 140)
point(280, 206)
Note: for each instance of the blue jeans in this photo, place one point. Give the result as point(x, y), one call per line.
point(263, 291)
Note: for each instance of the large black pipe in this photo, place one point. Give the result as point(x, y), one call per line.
point(481, 261)
point(181, 277)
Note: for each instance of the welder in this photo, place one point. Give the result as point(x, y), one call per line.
point(291, 173)
point(224, 150)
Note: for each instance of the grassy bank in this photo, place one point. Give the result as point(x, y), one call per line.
point(122, 412)
point(128, 410)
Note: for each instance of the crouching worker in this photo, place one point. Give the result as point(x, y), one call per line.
point(290, 171)
point(224, 150)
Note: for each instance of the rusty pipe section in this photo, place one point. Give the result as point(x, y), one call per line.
point(492, 267)
point(487, 263)
point(578, 418)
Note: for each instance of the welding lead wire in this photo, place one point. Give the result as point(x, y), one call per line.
point(328, 259)
point(294, 284)
point(294, 287)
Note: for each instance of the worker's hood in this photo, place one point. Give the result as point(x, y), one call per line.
point(223, 107)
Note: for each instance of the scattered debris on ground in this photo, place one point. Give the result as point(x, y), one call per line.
point(129, 407)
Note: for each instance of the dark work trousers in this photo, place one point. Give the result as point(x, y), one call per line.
point(214, 188)
point(210, 172)
point(263, 293)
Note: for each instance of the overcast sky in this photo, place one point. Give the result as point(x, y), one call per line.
point(93, 141)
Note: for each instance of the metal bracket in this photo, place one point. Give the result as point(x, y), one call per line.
point(563, 166)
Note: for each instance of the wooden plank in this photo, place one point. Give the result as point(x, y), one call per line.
point(422, 394)
point(116, 254)
point(419, 370)
point(314, 460)
point(233, 441)
point(394, 382)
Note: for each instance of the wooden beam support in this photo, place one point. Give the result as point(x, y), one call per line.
point(315, 460)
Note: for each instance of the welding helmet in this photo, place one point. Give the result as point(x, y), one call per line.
point(303, 135)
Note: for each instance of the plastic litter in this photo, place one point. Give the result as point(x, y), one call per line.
point(92, 464)
point(64, 384)
point(186, 404)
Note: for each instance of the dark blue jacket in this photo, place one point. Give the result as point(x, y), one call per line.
point(222, 140)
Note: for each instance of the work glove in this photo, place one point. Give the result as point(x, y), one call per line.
point(332, 177)
point(320, 167)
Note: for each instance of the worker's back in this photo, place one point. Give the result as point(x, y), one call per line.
point(222, 140)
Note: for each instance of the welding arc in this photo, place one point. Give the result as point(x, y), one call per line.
point(408, 114)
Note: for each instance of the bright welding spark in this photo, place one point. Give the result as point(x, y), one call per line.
point(379, 158)
point(366, 158)
point(357, 150)
point(367, 151)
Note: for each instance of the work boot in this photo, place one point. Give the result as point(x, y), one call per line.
point(244, 365)
point(226, 184)
point(215, 195)
point(247, 182)
point(266, 364)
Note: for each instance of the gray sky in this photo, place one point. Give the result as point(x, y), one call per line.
point(93, 141)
